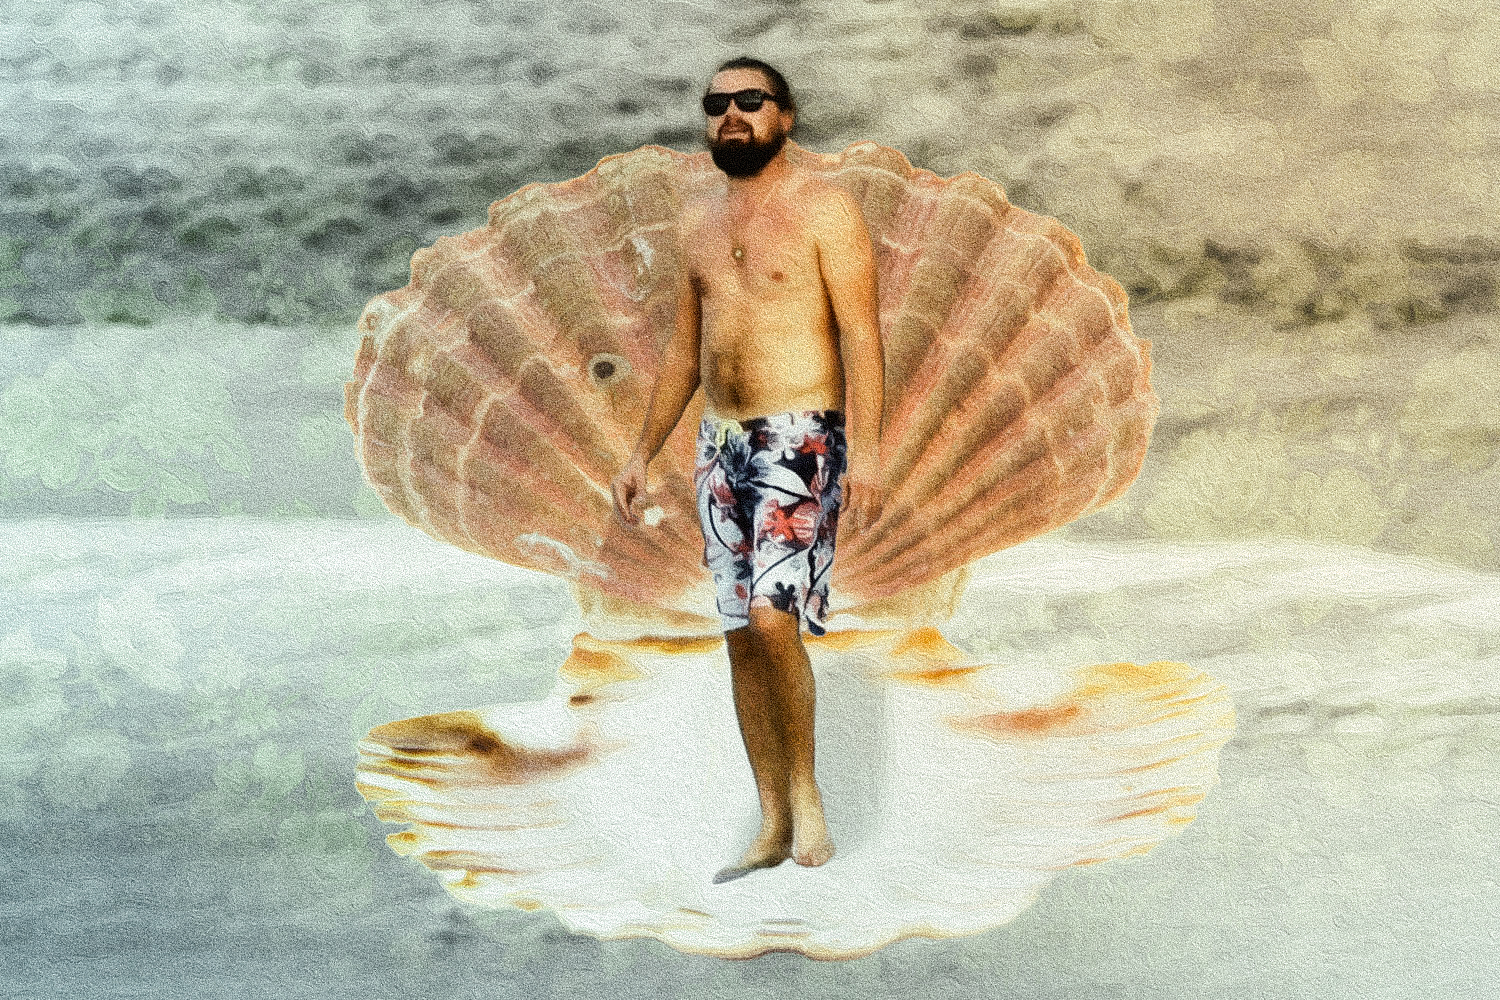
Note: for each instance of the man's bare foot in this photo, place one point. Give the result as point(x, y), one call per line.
point(811, 846)
point(767, 850)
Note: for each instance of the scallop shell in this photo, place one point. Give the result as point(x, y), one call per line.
point(955, 791)
point(496, 395)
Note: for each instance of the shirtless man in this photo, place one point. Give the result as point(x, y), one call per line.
point(777, 320)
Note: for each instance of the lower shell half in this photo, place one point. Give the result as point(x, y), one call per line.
point(954, 791)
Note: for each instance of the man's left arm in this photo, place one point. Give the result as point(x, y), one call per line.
point(847, 262)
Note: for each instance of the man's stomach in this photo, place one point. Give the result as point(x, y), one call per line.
point(766, 370)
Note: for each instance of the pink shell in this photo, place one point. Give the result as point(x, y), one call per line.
point(496, 395)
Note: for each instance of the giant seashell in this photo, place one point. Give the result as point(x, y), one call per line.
point(955, 791)
point(496, 395)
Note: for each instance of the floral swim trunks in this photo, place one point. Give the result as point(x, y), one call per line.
point(768, 500)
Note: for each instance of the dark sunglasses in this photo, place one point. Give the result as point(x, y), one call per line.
point(716, 104)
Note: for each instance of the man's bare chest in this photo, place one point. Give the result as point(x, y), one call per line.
point(759, 260)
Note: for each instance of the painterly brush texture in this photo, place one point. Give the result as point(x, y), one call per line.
point(204, 606)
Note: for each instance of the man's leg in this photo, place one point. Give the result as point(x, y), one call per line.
point(753, 678)
point(792, 691)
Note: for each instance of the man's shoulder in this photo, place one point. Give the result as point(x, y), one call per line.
point(695, 205)
point(817, 191)
point(827, 205)
point(693, 214)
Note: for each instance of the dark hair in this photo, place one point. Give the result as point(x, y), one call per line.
point(779, 88)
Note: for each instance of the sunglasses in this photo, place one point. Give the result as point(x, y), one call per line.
point(716, 104)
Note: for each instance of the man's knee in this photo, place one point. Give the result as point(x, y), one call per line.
point(769, 624)
point(741, 642)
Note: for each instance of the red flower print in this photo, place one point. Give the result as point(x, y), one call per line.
point(723, 495)
point(798, 527)
point(816, 444)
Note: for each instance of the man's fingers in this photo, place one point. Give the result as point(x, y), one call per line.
point(851, 506)
point(630, 494)
point(861, 506)
point(626, 499)
point(632, 501)
point(617, 490)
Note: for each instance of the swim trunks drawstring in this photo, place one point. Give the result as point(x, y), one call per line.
point(723, 431)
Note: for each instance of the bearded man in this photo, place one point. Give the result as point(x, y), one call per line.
point(777, 321)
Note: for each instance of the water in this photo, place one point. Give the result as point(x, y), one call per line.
point(279, 163)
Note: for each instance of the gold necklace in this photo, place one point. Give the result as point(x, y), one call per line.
point(736, 248)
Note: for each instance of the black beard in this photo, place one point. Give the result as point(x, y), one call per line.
point(745, 158)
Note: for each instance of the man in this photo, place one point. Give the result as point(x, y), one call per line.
point(777, 321)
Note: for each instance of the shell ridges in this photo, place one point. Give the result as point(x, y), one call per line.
point(495, 395)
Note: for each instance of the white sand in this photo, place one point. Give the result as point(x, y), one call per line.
point(183, 699)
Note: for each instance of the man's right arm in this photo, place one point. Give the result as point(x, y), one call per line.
point(676, 381)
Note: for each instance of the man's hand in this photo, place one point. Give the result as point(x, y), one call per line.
point(629, 488)
point(861, 504)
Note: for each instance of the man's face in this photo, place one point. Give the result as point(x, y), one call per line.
point(742, 142)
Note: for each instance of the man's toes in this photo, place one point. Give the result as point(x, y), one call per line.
point(814, 854)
